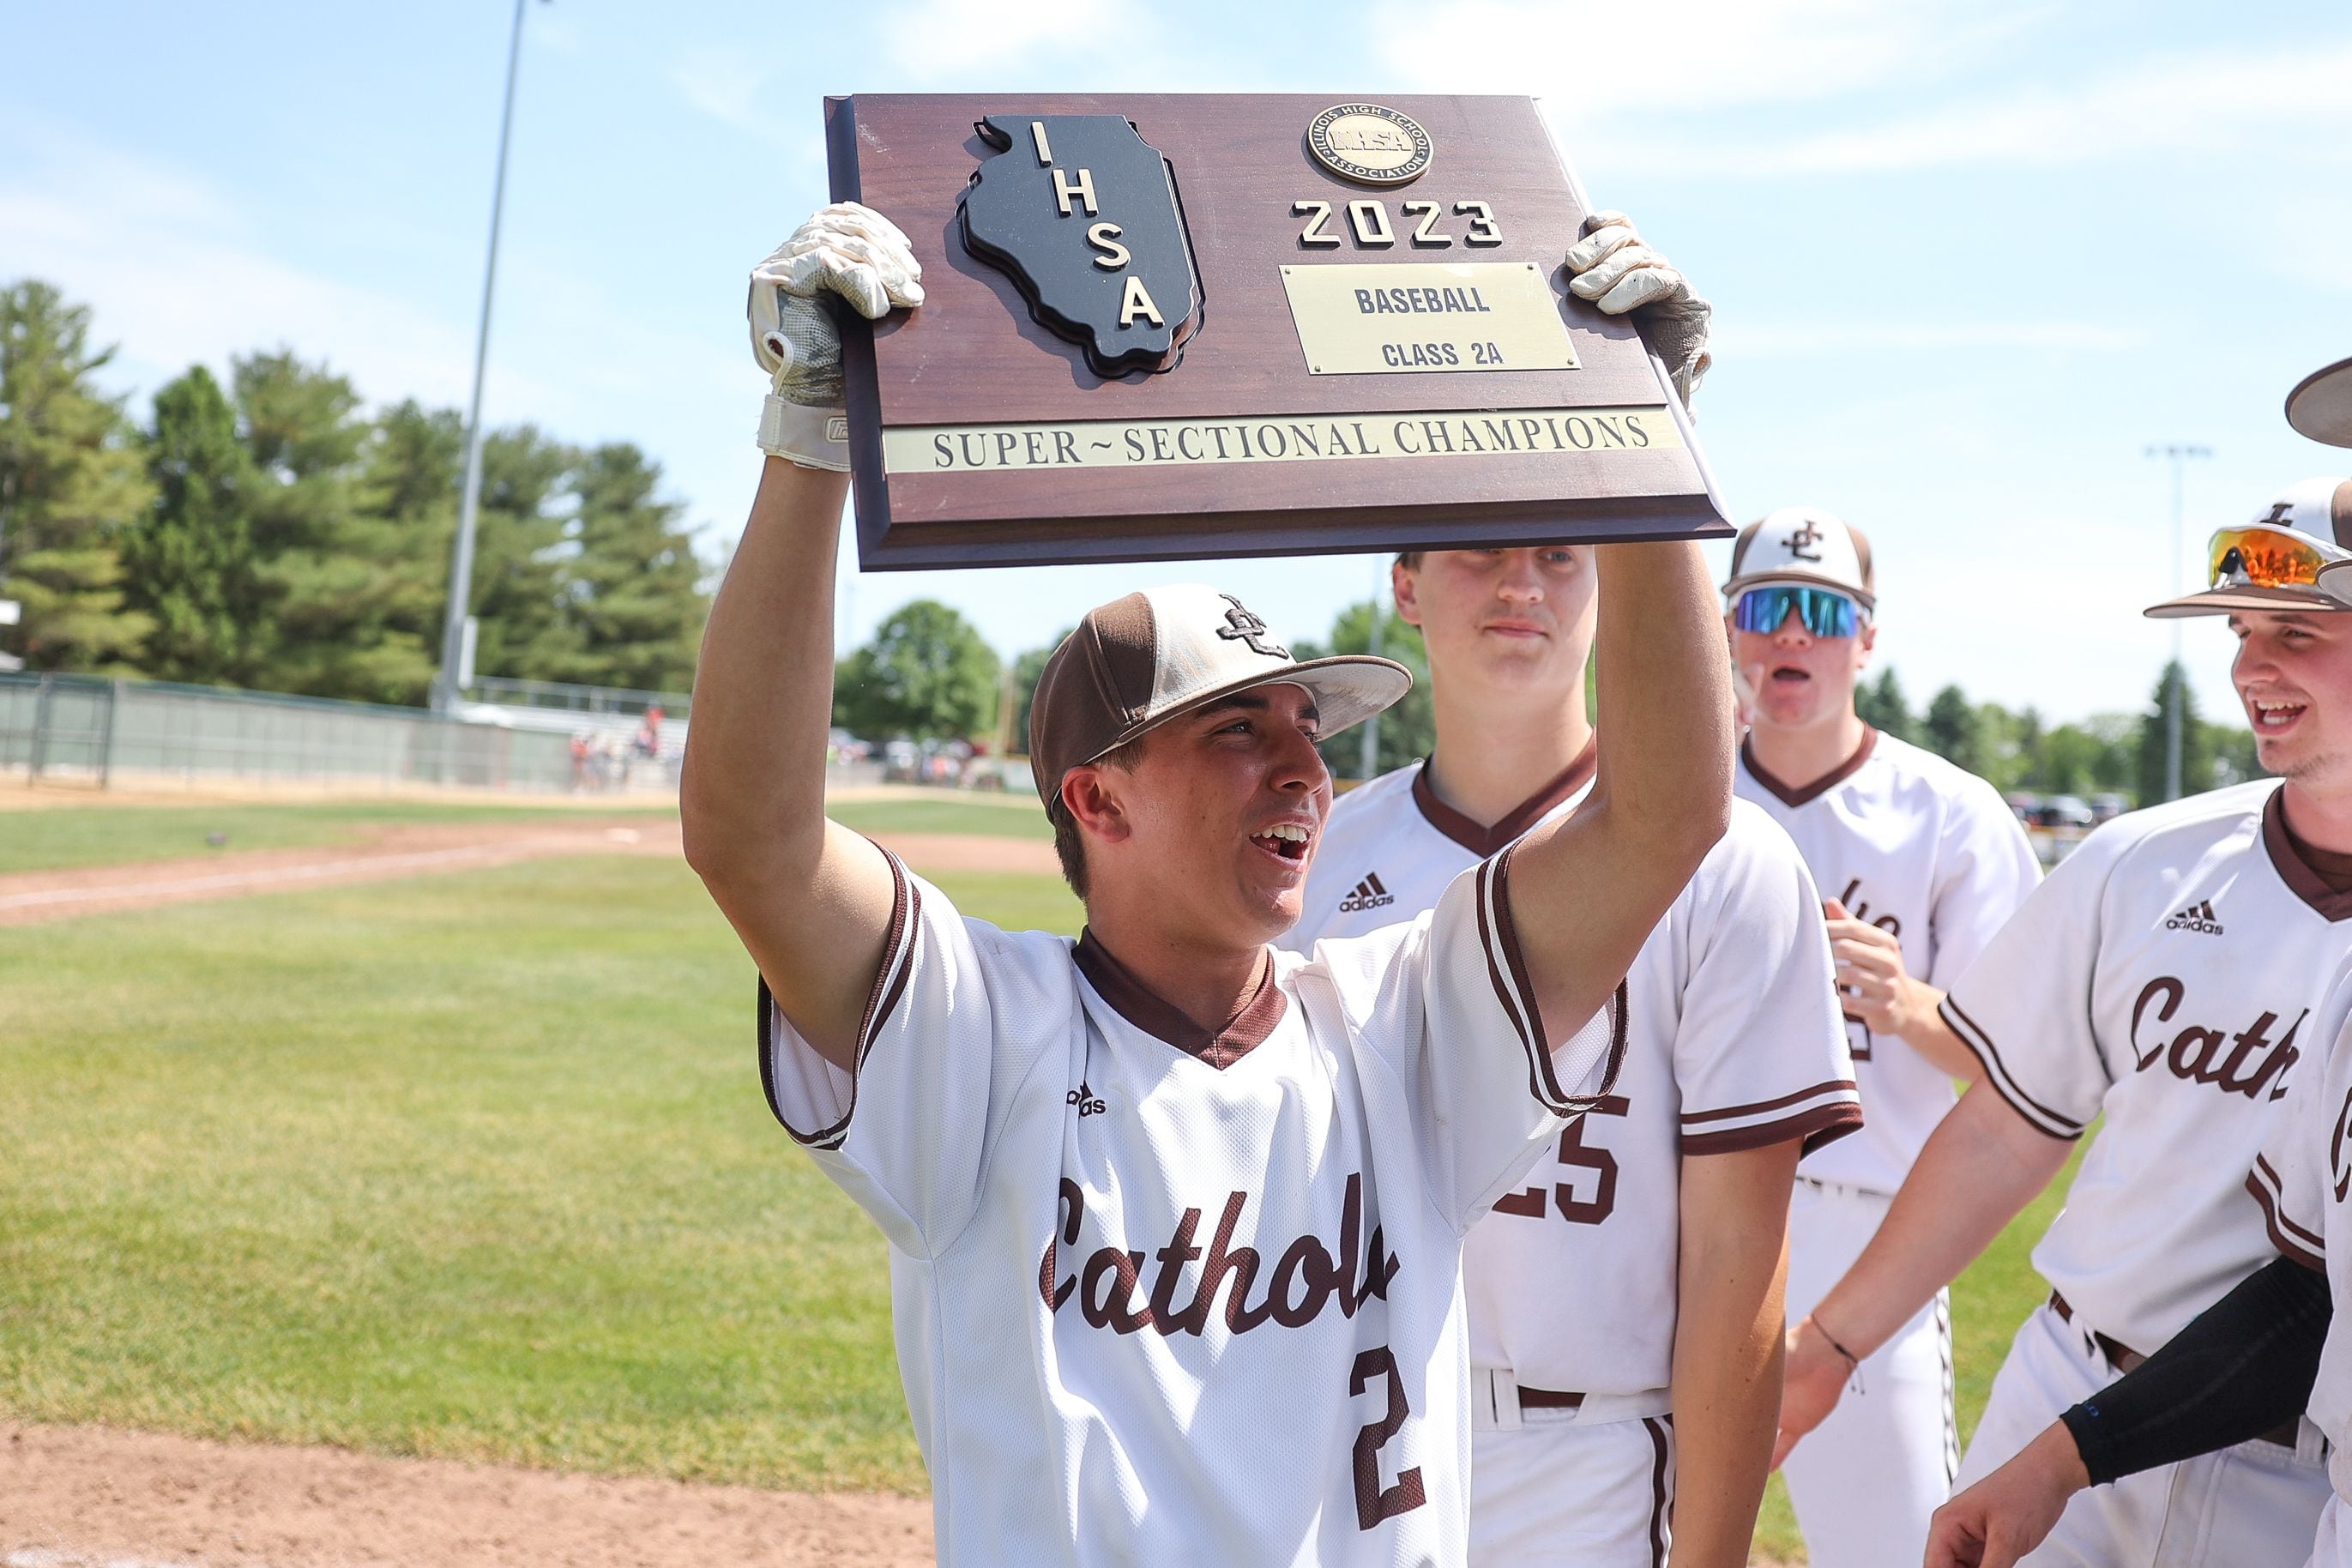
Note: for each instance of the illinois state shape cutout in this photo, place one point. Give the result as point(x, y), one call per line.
point(1080, 212)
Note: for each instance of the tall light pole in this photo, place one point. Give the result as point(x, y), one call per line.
point(458, 626)
point(2178, 453)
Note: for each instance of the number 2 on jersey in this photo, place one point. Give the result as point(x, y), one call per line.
point(1375, 1502)
point(1575, 1154)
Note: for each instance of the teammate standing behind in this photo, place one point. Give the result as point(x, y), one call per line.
point(1625, 1306)
point(1919, 863)
point(2162, 979)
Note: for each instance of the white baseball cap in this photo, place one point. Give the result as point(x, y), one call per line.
point(2320, 407)
point(1136, 662)
point(1805, 546)
point(2316, 514)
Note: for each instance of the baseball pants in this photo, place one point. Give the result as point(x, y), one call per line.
point(2254, 1506)
point(1557, 1494)
point(1865, 1480)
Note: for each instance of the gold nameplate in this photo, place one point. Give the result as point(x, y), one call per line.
point(1153, 443)
point(1399, 318)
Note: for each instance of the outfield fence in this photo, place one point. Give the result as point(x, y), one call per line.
point(81, 729)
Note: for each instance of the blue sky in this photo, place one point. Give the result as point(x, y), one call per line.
point(1968, 259)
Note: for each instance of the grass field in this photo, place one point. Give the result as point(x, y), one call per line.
point(473, 1167)
point(57, 838)
point(1010, 816)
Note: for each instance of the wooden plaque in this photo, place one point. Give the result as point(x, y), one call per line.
point(1133, 344)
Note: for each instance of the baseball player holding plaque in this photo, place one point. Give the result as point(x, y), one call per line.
point(1663, 1216)
point(1919, 863)
point(2163, 978)
point(1176, 1219)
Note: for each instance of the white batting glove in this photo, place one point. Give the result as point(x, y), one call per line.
point(856, 255)
point(1616, 271)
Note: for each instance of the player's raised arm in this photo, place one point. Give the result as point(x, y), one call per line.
point(812, 901)
point(1586, 890)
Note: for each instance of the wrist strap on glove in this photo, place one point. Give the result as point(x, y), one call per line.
point(812, 437)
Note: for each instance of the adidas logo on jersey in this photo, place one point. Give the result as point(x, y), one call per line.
point(2197, 917)
point(1367, 894)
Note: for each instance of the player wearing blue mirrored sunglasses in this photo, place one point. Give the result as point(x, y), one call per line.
point(1821, 612)
point(1917, 863)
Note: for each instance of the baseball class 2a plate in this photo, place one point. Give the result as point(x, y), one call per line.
point(1186, 325)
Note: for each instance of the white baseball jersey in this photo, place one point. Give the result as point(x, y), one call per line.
point(2164, 978)
point(1733, 1041)
point(1175, 1297)
point(1929, 852)
point(2300, 1180)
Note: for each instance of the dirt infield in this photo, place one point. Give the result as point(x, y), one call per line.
point(416, 849)
point(85, 1497)
point(81, 1497)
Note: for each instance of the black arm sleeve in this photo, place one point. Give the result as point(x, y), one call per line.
point(2242, 1368)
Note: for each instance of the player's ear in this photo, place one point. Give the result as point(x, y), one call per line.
point(1405, 582)
point(1868, 639)
point(1092, 796)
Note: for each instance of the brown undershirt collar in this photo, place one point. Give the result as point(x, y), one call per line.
point(1482, 841)
point(1153, 1013)
point(1794, 794)
point(2320, 878)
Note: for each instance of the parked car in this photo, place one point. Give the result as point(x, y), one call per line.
point(2067, 811)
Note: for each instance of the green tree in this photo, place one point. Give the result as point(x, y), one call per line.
point(2195, 744)
point(519, 545)
point(71, 482)
point(1953, 731)
point(1881, 705)
point(2235, 759)
point(1408, 730)
point(634, 592)
point(2066, 762)
point(927, 675)
point(303, 435)
point(375, 608)
point(189, 563)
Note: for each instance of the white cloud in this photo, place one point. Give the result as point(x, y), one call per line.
point(1591, 61)
point(173, 273)
point(971, 37)
point(169, 267)
point(2205, 105)
point(1796, 338)
point(2311, 242)
point(733, 87)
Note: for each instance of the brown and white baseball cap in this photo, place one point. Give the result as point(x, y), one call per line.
point(1140, 661)
point(2320, 407)
point(1805, 546)
point(2317, 510)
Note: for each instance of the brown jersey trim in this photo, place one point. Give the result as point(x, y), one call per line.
point(1494, 909)
point(2295, 862)
point(1516, 993)
point(889, 985)
point(2037, 1116)
point(1482, 840)
point(1816, 1129)
point(1827, 1086)
point(2292, 1240)
point(1662, 1484)
point(1153, 1013)
point(1795, 794)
